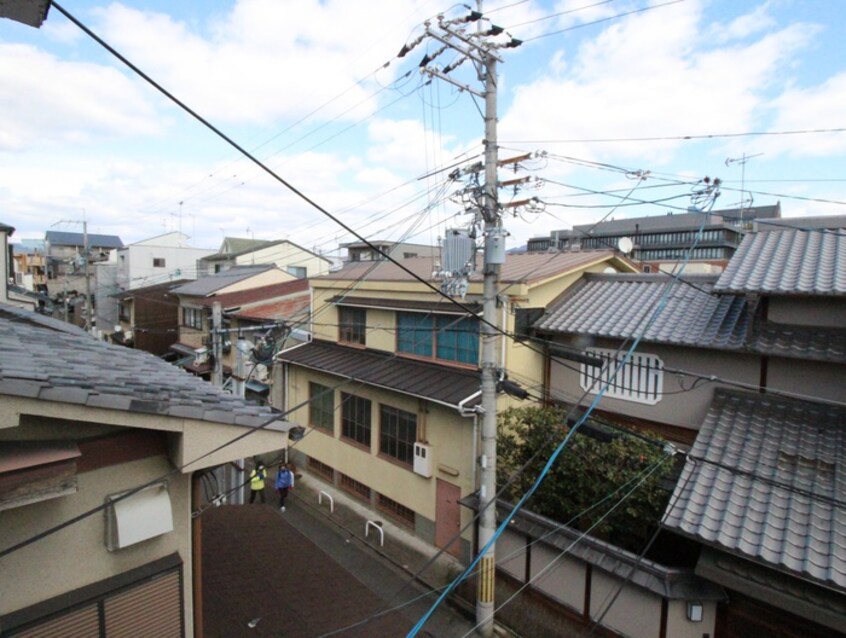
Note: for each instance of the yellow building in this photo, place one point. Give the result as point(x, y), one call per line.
point(389, 388)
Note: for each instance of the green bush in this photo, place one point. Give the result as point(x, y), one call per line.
point(586, 472)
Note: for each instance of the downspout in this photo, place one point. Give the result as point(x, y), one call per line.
point(197, 556)
point(474, 413)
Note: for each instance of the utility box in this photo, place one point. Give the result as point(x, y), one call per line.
point(423, 460)
point(457, 255)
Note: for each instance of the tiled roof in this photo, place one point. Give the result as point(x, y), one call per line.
point(42, 360)
point(805, 342)
point(291, 308)
point(259, 294)
point(208, 285)
point(429, 381)
point(60, 238)
point(788, 262)
point(766, 480)
point(619, 305)
point(518, 268)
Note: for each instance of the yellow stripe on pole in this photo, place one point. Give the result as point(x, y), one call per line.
point(486, 580)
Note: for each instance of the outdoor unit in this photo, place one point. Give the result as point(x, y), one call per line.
point(423, 460)
point(201, 356)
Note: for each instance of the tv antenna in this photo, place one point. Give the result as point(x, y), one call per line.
point(742, 161)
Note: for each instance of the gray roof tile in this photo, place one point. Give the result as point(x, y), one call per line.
point(766, 479)
point(787, 262)
point(44, 360)
point(620, 305)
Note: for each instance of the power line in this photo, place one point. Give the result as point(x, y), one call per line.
point(672, 138)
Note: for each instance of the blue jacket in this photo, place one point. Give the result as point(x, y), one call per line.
point(284, 478)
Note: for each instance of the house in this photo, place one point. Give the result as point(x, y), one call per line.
point(376, 250)
point(29, 261)
point(658, 242)
point(157, 260)
point(259, 322)
point(148, 317)
point(284, 254)
point(65, 251)
point(748, 370)
point(389, 387)
point(104, 464)
point(196, 301)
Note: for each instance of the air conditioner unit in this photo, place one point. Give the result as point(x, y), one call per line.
point(423, 460)
point(201, 356)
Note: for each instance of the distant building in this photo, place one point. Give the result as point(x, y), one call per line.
point(659, 242)
point(361, 251)
point(285, 255)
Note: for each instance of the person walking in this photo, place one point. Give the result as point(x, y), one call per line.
point(284, 483)
point(257, 478)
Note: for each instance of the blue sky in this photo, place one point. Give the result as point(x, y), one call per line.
point(303, 85)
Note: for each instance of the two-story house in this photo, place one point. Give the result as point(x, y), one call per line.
point(196, 301)
point(390, 385)
point(103, 452)
point(748, 369)
point(285, 255)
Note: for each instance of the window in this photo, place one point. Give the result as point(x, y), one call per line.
point(356, 488)
point(321, 407)
point(158, 262)
point(298, 271)
point(447, 338)
point(352, 323)
point(641, 379)
point(318, 467)
point(192, 318)
point(395, 510)
point(355, 419)
point(397, 434)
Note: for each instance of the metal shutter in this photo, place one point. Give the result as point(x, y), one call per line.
point(81, 623)
point(151, 609)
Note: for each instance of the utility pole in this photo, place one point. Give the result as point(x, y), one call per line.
point(479, 49)
point(89, 323)
point(217, 344)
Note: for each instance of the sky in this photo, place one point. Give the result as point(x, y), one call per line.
point(622, 105)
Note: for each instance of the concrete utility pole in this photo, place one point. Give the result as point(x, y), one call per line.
point(476, 47)
point(217, 344)
point(89, 313)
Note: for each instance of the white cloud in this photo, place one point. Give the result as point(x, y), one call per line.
point(654, 75)
point(46, 101)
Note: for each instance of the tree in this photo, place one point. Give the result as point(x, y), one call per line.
point(577, 490)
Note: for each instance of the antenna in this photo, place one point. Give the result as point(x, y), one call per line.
point(742, 161)
point(625, 245)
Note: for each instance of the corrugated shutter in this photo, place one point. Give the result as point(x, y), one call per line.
point(81, 623)
point(151, 609)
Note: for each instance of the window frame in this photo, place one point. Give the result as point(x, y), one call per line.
point(391, 420)
point(356, 420)
point(318, 412)
point(159, 262)
point(196, 315)
point(438, 337)
point(640, 380)
point(352, 325)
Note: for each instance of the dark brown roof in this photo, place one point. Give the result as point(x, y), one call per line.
point(438, 383)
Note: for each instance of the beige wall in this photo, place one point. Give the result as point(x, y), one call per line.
point(266, 278)
point(635, 612)
point(562, 578)
point(284, 255)
point(450, 435)
point(77, 556)
point(680, 405)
